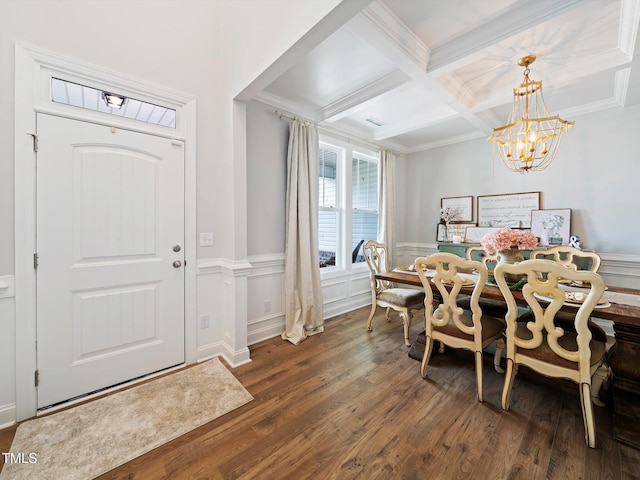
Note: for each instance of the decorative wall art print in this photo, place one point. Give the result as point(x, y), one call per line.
point(511, 210)
point(461, 206)
point(552, 227)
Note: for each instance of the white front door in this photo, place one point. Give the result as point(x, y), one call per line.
point(110, 243)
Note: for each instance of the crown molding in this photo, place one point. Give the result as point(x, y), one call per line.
point(351, 103)
point(289, 106)
point(443, 142)
point(629, 20)
point(386, 23)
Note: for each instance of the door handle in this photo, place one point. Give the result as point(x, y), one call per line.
point(177, 264)
point(176, 248)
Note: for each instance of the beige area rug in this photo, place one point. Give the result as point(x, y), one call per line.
point(91, 439)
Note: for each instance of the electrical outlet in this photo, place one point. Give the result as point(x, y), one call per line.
point(204, 321)
point(206, 239)
point(267, 306)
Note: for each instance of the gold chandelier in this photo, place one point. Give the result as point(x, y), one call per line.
point(530, 139)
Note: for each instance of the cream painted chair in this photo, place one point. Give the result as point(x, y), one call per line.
point(495, 308)
point(547, 348)
point(565, 255)
point(449, 324)
point(384, 294)
point(491, 307)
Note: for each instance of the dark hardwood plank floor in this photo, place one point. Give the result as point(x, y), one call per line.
point(350, 404)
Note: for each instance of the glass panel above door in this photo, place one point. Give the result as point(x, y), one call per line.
point(82, 96)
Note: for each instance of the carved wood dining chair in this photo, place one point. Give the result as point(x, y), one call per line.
point(494, 308)
point(567, 256)
point(449, 323)
point(384, 293)
point(570, 257)
point(544, 346)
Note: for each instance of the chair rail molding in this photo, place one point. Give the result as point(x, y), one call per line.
point(7, 286)
point(620, 269)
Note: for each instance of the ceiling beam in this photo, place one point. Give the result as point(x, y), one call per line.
point(410, 125)
point(518, 17)
point(355, 101)
point(382, 30)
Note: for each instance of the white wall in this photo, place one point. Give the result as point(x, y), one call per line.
point(209, 49)
point(595, 173)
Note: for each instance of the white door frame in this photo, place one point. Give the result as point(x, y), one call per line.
point(33, 70)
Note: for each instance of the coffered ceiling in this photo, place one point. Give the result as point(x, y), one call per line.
point(417, 74)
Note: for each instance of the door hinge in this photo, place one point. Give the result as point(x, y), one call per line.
point(37, 377)
point(35, 260)
point(35, 141)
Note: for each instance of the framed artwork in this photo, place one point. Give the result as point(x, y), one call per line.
point(508, 210)
point(462, 207)
point(475, 234)
point(552, 227)
point(454, 230)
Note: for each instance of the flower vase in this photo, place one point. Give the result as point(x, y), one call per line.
point(511, 255)
point(545, 236)
point(445, 233)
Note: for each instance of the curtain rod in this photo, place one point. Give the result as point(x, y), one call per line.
point(336, 132)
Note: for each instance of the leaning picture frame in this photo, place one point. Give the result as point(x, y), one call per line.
point(453, 232)
point(475, 234)
point(461, 206)
point(552, 226)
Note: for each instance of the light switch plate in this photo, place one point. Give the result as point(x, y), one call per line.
point(206, 239)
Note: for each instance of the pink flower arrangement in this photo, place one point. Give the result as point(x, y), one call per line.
point(505, 238)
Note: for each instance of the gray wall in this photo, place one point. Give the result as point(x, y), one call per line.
point(596, 173)
point(267, 140)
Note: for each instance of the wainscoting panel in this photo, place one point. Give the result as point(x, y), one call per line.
point(406, 253)
point(334, 290)
point(7, 351)
point(265, 286)
point(221, 310)
point(346, 290)
point(342, 291)
point(621, 270)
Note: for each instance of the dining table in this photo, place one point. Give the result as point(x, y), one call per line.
point(623, 309)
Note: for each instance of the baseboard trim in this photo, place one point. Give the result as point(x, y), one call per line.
point(217, 349)
point(7, 415)
point(265, 329)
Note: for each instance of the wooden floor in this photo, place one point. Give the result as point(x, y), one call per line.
point(351, 404)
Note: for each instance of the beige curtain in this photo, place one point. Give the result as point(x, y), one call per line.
point(386, 195)
point(303, 293)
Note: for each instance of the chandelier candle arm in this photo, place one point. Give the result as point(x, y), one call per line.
point(530, 139)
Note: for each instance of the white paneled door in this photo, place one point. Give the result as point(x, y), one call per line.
point(110, 240)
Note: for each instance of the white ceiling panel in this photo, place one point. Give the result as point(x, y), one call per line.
point(435, 22)
point(435, 72)
point(342, 64)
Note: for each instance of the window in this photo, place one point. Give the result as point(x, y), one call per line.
point(74, 94)
point(348, 202)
